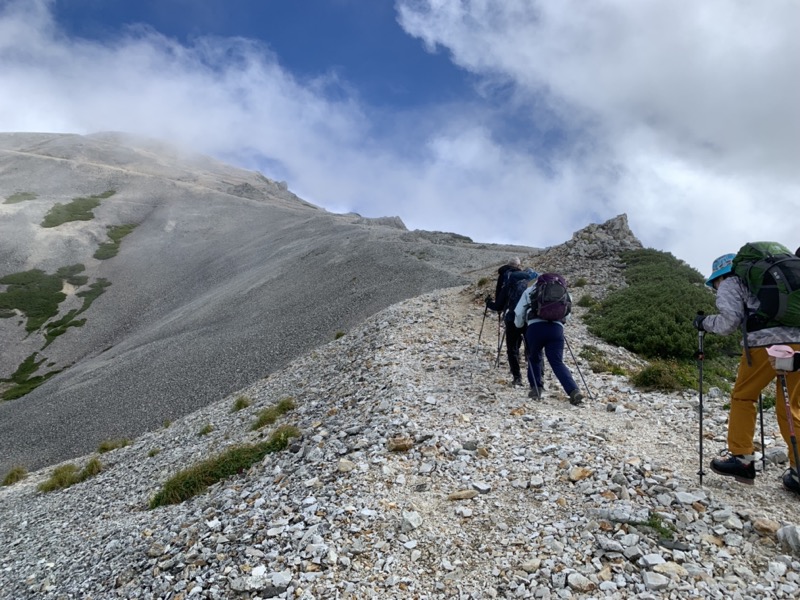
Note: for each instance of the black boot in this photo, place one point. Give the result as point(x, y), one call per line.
point(737, 466)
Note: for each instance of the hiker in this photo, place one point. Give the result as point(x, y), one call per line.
point(735, 303)
point(511, 282)
point(546, 331)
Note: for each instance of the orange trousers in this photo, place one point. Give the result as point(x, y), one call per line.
point(750, 381)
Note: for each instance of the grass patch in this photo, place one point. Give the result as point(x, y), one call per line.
point(16, 474)
point(338, 334)
point(67, 475)
point(196, 480)
point(154, 452)
point(269, 415)
point(483, 281)
point(580, 282)
point(206, 429)
point(657, 524)
point(79, 209)
point(20, 197)
point(115, 233)
point(241, 403)
point(109, 445)
point(598, 361)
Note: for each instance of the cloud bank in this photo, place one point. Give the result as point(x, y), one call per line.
point(682, 115)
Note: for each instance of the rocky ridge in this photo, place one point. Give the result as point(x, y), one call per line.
point(421, 474)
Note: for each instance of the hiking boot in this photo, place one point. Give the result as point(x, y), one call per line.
point(575, 397)
point(517, 382)
point(741, 468)
point(791, 483)
point(535, 393)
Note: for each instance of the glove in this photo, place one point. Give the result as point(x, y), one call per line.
point(698, 322)
point(488, 301)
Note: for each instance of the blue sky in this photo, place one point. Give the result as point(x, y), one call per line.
point(514, 121)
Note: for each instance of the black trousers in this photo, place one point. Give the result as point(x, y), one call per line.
point(514, 338)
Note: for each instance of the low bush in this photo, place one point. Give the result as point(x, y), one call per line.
point(196, 480)
point(206, 429)
point(79, 209)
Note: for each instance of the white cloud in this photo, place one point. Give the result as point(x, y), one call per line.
point(676, 115)
point(695, 102)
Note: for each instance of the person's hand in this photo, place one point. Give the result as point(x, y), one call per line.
point(488, 301)
point(698, 322)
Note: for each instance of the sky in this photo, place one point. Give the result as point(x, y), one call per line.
point(509, 121)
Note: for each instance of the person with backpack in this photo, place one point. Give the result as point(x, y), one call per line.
point(739, 306)
point(512, 281)
point(543, 309)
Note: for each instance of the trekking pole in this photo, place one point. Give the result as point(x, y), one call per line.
point(575, 360)
point(761, 418)
point(792, 437)
point(700, 358)
point(480, 333)
point(500, 348)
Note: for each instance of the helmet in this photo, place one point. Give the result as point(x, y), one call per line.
point(720, 266)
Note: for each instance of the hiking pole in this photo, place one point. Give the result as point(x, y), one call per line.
point(761, 418)
point(700, 357)
point(480, 333)
point(792, 437)
point(575, 360)
point(500, 348)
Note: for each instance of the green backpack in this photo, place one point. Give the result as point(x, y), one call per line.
point(772, 274)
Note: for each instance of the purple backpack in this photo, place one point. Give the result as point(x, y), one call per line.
point(550, 301)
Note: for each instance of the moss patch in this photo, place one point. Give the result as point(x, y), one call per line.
point(79, 209)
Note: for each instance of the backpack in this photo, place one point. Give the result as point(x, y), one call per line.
point(772, 274)
point(550, 300)
point(516, 284)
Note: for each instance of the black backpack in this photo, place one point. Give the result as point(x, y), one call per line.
point(550, 301)
point(772, 274)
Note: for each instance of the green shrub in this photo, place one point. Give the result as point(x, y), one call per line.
point(586, 301)
point(195, 480)
point(653, 315)
point(598, 361)
point(109, 445)
point(79, 209)
point(338, 335)
point(67, 475)
point(110, 249)
point(579, 282)
point(269, 415)
point(206, 429)
point(658, 375)
point(20, 197)
point(154, 452)
point(16, 474)
point(483, 281)
point(241, 403)
point(23, 379)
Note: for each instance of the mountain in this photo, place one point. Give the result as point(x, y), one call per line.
point(417, 471)
point(138, 283)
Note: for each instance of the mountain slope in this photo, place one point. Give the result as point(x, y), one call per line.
point(223, 277)
point(557, 501)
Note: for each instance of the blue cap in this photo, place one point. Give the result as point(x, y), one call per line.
point(720, 267)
